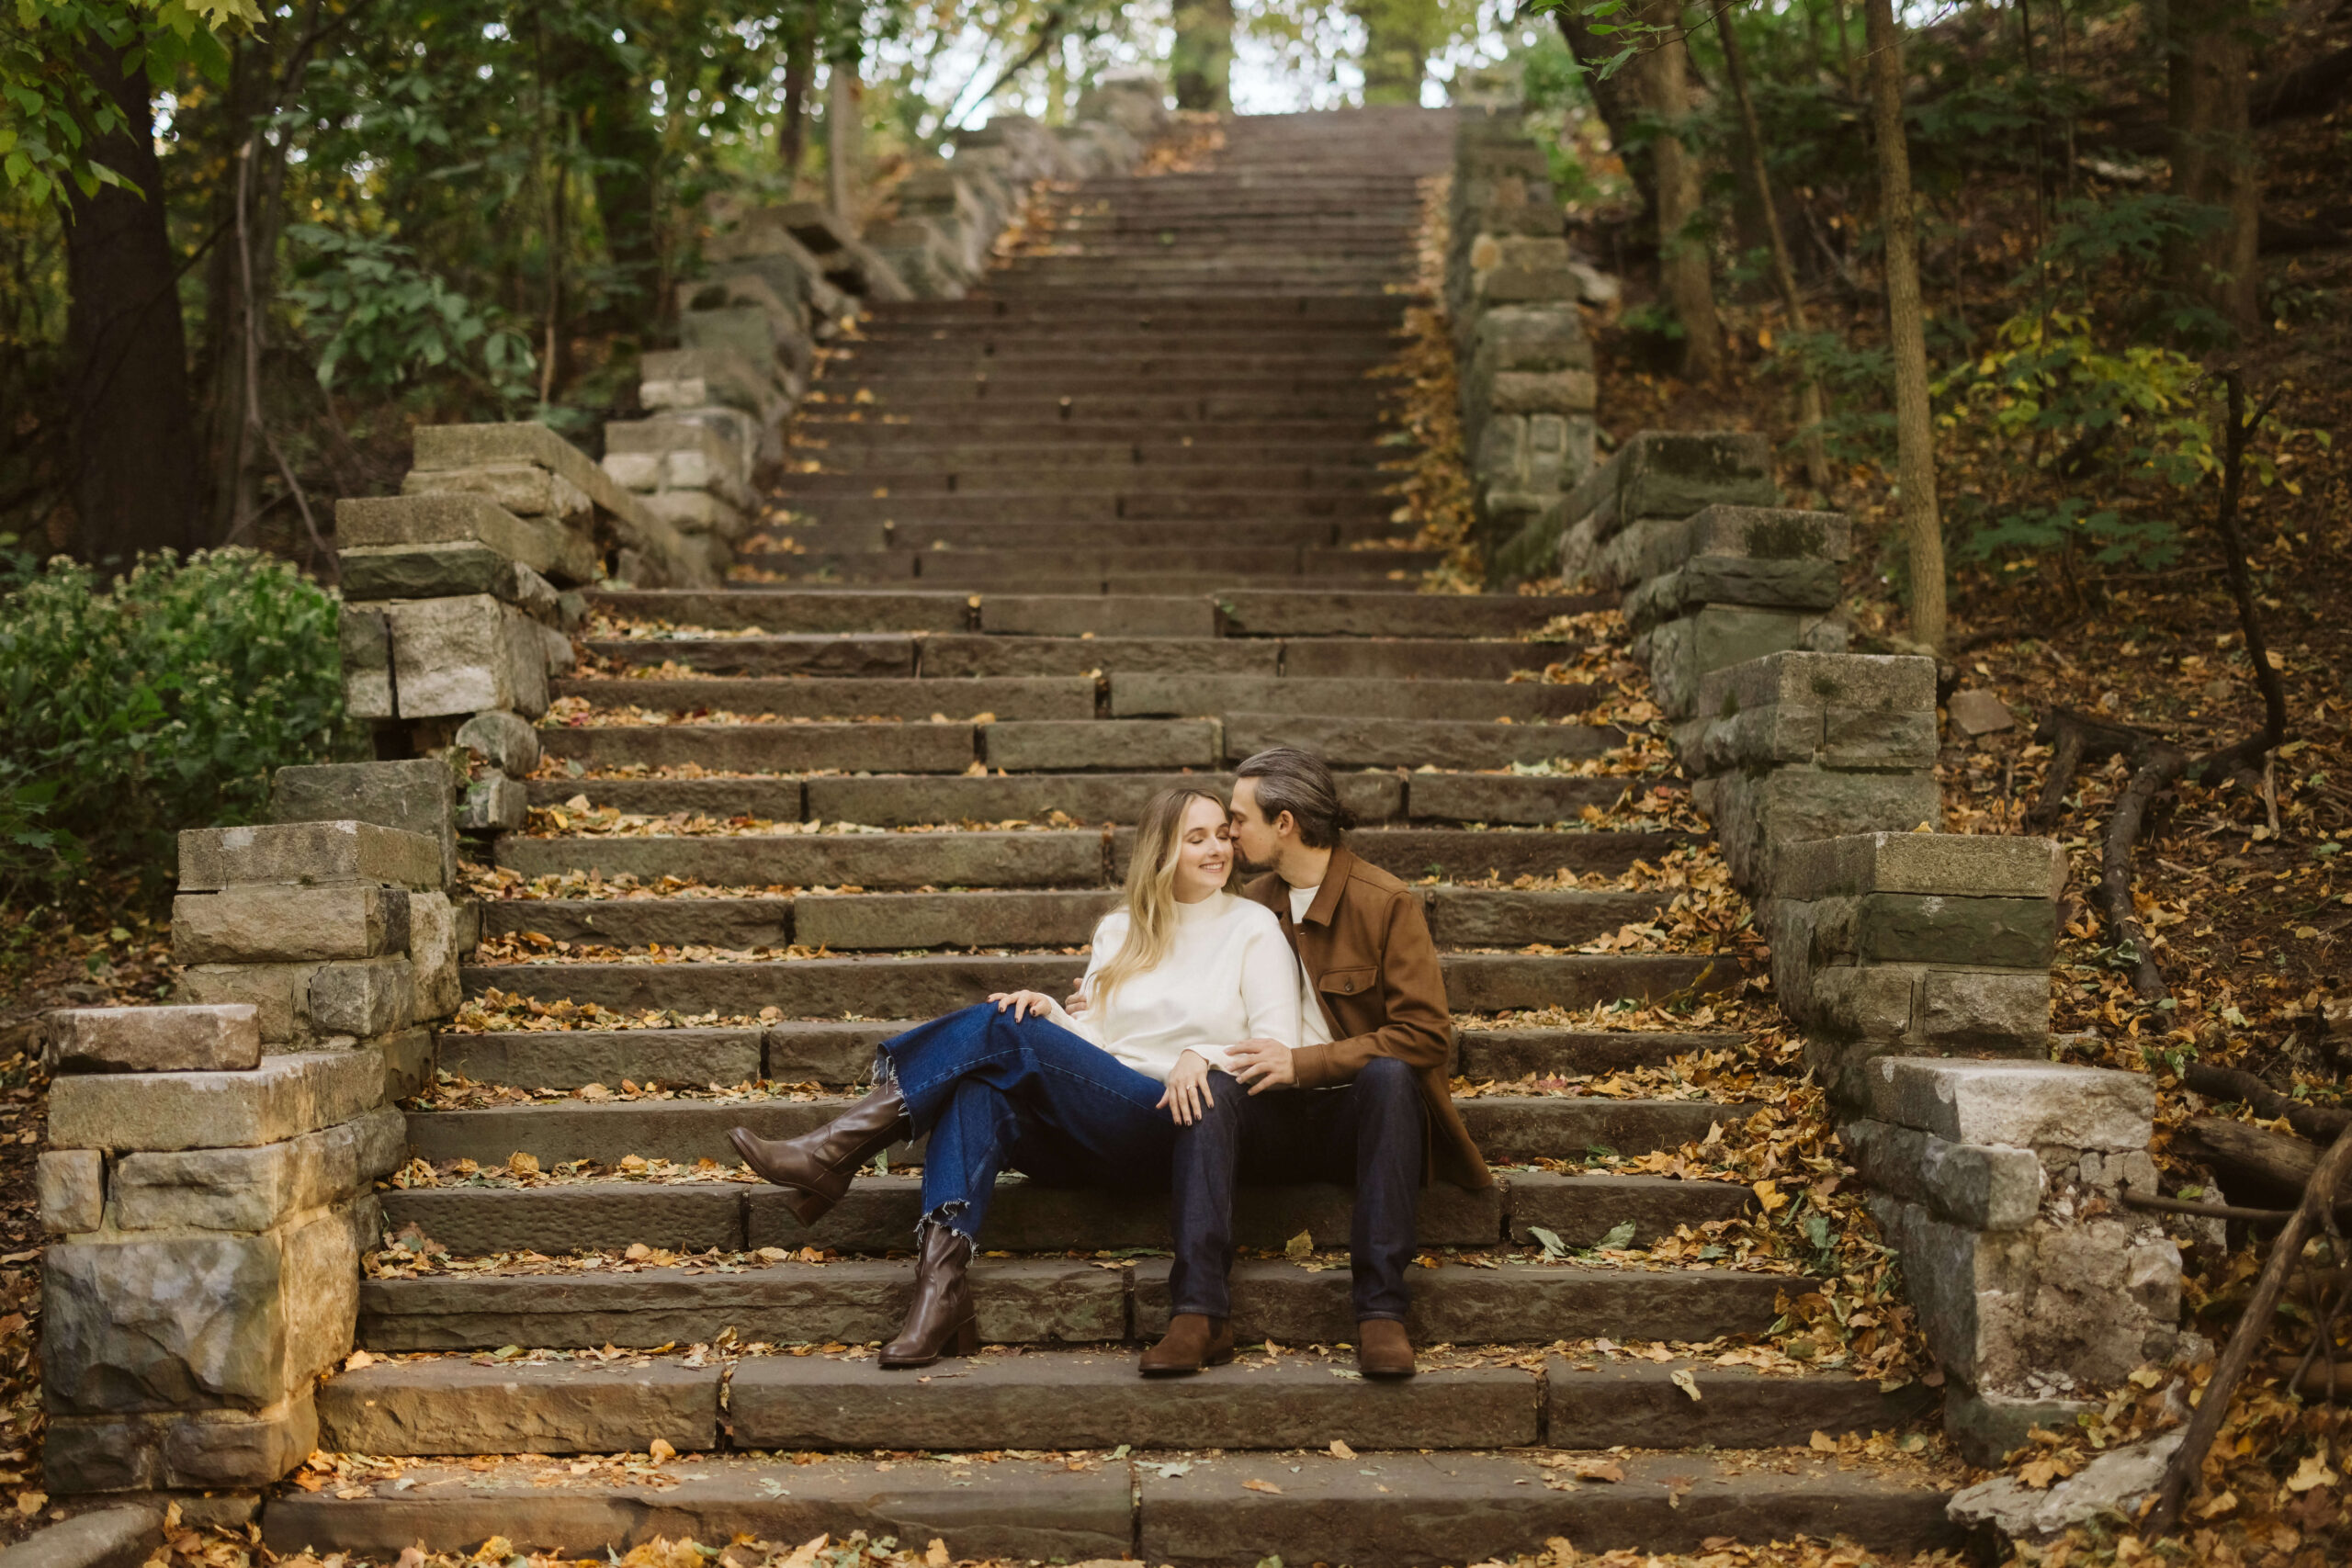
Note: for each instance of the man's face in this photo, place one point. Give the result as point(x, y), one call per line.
point(1252, 834)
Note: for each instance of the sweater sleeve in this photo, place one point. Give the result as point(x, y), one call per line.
point(1270, 992)
point(1109, 932)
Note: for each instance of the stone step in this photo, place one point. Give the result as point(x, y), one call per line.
point(1097, 584)
point(839, 610)
point(902, 534)
point(1145, 695)
point(1458, 916)
point(1060, 1399)
point(910, 485)
point(1336, 611)
point(1033, 858)
point(883, 801)
point(1014, 697)
point(1136, 503)
point(879, 1213)
point(1407, 742)
point(1508, 1128)
point(1045, 1301)
point(926, 984)
point(1000, 407)
point(1269, 309)
point(843, 1054)
point(1377, 1510)
point(1019, 567)
point(1048, 357)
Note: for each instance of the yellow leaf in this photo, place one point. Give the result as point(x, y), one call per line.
point(936, 1555)
point(1682, 1379)
point(1262, 1486)
point(1770, 1195)
point(2218, 1507)
point(1300, 1245)
point(660, 1450)
point(1598, 1470)
point(32, 1503)
point(358, 1358)
point(1340, 1450)
point(2312, 1472)
point(1823, 1443)
point(805, 1552)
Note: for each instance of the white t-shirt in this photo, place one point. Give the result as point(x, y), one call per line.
point(1312, 1030)
point(1228, 977)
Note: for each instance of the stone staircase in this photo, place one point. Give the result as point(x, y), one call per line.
point(1116, 521)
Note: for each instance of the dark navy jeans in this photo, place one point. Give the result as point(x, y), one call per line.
point(1368, 1132)
point(994, 1094)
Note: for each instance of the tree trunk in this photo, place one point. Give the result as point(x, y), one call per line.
point(137, 476)
point(618, 135)
point(844, 137)
point(799, 66)
point(1686, 281)
point(1399, 36)
point(2213, 157)
point(1907, 330)
point(1616, 97)
point(1202, 61)
point(1784, 273)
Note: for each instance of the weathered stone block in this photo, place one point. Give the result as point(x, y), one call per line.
point(1732, 580)
point(444, 571)
point(416, 795)
point(1841, 710)
point(2023, 1104)
point(306, 855)
point(433, 953)
point(1532, 337)
point(1980, 1186)
point(2090, 1300)
point(259, 925)
point(70, 1184)
point(1672, 474)
point(366, 643)
point(505, 740)
point(363, 998)
point(234, 1447)
point(460, 656)
point(547, 545)
point(186, 1038)
point(1985, 1428)
point(1977, 1010)
point(1953, 865)
point(1760, 814)
point(524, 488)
point(1543, 391)
point(1683, 654)
point(408, 1062)
point(1911, 928)
point(494, 804)
point(256, 1188)
point(284, 1098)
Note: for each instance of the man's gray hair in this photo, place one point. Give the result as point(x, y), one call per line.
point(1299, 782)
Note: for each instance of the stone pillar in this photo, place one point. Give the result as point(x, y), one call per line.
point(1527, 385)
point(2000, 1184)
point(1914, 943)
point(694, 471)
point(1794, 746)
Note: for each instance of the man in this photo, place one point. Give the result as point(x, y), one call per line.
point(1363, 1099)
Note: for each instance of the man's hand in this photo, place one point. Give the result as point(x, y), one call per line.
point(1188, 1089)
point(1262, 1065)
point(1024, 1003)
point(1075, 1003)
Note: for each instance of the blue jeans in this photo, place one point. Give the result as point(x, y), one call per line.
point(1369, 1132)
point(994, 1094)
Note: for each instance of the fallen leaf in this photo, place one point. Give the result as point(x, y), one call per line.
point(1597, 1470)
point(936, 1555)
point(1300, 1245)
point(358, 1359)
point(1682, 1379)
point(2312, 1472)
point(662, 1452)
point(2219, 1505)
point(32, 1503)
point(1823, 1443)
point(805, 1552)
point(1261, 1486)
point(1341, 1450)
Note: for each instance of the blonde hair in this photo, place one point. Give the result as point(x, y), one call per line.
point(1150, 900)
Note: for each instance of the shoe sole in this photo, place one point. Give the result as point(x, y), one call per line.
point(1216, 1359)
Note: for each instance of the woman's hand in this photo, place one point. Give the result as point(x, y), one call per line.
point(1024, 1003)
point(1188, 1089)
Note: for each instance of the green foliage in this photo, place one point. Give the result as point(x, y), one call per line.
point(373, 306)
point(131, 711)
point(51, 110)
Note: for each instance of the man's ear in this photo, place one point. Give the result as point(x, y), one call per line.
point(1286, 823)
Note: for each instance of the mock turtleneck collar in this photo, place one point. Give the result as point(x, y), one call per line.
point(1208, 908)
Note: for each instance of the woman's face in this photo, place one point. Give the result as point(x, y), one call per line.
point(1204, 851)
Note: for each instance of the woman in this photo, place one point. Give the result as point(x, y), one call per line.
point(1182, 970)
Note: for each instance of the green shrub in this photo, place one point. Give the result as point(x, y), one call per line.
point(161, 701)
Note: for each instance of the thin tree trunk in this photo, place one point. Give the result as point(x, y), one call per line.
point(1616, 97)
point(799, 68)
point(1907, 330)
point(1201, 64)
point(608, 108)
point(1685, 278)
point(1784, 273)
point(844, 132)
point(137, 470)
point(2214, 158)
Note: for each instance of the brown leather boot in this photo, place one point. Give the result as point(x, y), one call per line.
point(941, 1314)
point(816, 1167)
point(1383, 1350)
point(1190, 1343)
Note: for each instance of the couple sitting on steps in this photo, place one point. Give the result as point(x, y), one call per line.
point(1294, 1030)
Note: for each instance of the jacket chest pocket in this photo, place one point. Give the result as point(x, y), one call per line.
point(1338, 984)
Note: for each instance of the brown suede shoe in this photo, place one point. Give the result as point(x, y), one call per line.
point(814, 1169)
point(1382, 1348)
point(939, 1320)
point(1190, 1343)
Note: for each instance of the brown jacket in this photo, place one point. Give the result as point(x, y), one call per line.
point(1366, 944)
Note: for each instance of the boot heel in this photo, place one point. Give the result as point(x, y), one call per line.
point(808, 1207)
point(967, 1337)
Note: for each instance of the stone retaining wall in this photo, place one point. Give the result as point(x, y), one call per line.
point(209, 1180)
point(1907, 956)
point(1511, 296)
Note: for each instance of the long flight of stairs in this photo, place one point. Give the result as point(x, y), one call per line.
point(1116, 522)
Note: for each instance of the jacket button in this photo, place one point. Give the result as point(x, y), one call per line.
point(1347, 984)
